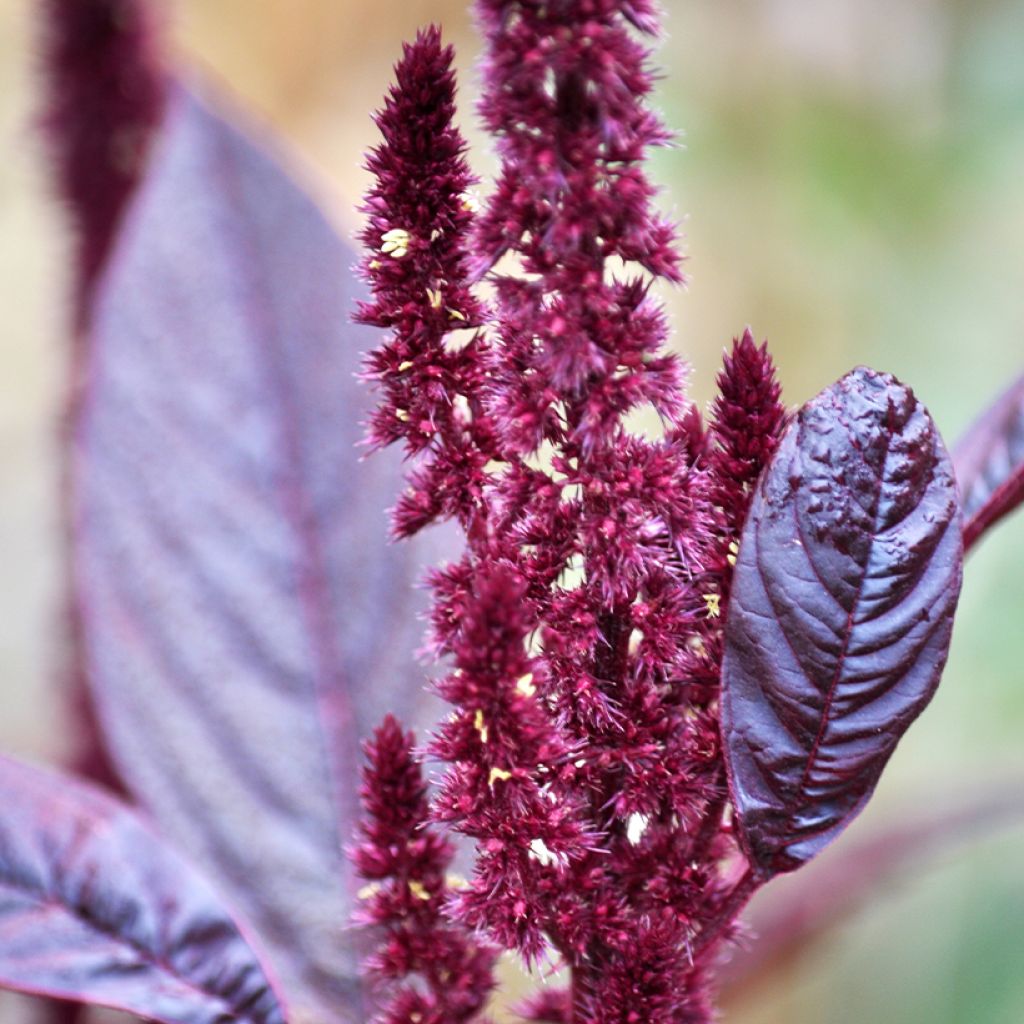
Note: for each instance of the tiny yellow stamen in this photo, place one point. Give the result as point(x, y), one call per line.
point(461, 406)
point(734, 550)
point(470, 202)
point(434, 297)
point(636, 826)
point(375, 264)
point(714, 604)
point(418, 889)
point(395, 242)
point(407, 365)
point(368, 891)
point(696, 644)
point(524, 684)
point(498, 774)
point(542, 853)
point(635, 639)
point(402, 415)
point(480, 725)
point(454, 314)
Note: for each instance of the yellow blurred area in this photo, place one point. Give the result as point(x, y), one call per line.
point(851, 186)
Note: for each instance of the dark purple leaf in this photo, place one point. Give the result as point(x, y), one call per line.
point(842, 607)
point(989, 462)
point(244, 619)
point(94, 907)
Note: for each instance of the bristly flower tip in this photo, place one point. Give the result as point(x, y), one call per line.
point(747, 421)
point(415, 239)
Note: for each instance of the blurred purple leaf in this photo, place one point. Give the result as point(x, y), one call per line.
point(989, 461)
point(102, 91)
point(94, 907)
point(244, 619)
point(841, 612)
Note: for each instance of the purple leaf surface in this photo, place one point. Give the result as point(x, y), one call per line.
point(989, 461)
point(841, 612)
point(94, 907)
point(244, 618)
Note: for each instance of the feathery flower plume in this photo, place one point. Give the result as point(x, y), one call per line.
point(418, 216)
point(104, 91)
point(105, 98)
point(500, 740)
point(582, 623)
point(747, 422)
point(405, 862)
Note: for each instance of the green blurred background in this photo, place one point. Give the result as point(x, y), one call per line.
point(851, 179)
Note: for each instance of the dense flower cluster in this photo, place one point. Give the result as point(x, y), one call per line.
point(405, 863)
point(418, 216)
point(747, 423)
point(582, 625)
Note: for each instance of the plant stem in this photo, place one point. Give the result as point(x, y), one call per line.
point(748, 884)
point(712, 821)
point(576, 1001)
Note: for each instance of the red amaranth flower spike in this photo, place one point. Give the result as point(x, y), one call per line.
point(419, 209)
point(103, 99)
point(504, 748)
point(419, 213)
point(405, 863)
point(747, 419)
point(106, 90)
point(585, 620)
point(623, 526)
point(576, 764)
point(746, 425)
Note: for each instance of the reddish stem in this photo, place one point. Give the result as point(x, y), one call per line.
point(712, 821)
point(748, 884)
point(576, 1001)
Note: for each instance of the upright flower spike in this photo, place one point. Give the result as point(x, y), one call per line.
point(747, 422)
point(418, 215)
point(583, 746)
point(105, 92)
point(404, 862)
point(419, 209)
point(633, 526)
point(434, 397)
point(503, 746)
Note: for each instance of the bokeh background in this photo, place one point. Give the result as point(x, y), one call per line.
point(852, 181)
